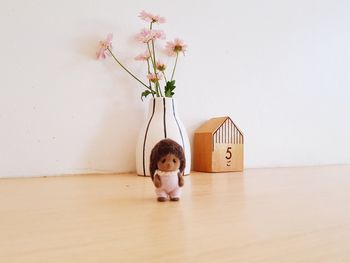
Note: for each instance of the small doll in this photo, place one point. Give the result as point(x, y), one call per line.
point(167, 165)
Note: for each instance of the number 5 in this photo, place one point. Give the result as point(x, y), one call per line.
point(228, 153)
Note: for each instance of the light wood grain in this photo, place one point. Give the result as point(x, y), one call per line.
point(202, 157)
point(259, 215)
point(218, 146)
point(222, 164)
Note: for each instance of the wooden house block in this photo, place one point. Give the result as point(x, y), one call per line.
point(218, 146)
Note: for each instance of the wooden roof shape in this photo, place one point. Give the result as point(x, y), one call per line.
point(218, 146)
point(223, 129)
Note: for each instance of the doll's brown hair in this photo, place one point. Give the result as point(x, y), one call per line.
point(162, 148)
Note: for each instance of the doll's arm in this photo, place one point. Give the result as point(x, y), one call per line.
point(181, 179)
point(156, 181)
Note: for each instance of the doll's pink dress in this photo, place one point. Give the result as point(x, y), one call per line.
point(169, 184)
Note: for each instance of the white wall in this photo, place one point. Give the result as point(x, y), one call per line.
point(280, 69)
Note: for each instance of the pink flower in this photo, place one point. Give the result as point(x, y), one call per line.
point(104, 46)
point(143, 56)
point(154, 77)
point(151, 18)
point(147, 35)
point(173, 48)
point(160, 66)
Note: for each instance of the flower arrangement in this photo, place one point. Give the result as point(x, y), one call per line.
point(155, 68)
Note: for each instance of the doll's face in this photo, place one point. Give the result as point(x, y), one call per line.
point(168, 163)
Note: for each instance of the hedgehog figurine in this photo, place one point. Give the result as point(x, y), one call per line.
point(167, 165)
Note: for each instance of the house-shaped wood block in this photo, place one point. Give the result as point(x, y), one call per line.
point(218, 146)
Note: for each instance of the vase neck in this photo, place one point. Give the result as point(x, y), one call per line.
point(161, 102)
point(162, 106)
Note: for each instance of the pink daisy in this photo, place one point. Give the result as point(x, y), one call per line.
point(143, 56)
point(173, 48)
point(104, 45)
point(154, 77)
point(147, 35)
point(151, 18)
point(160, 66)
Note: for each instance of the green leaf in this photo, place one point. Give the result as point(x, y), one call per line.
point(169, 88)
point(145, 93)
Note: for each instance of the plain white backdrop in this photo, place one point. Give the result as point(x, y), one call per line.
point(279, 69)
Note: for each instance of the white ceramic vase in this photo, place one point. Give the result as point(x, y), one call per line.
point(162, 122)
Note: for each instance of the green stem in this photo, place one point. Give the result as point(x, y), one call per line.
point(164, 77)
point(172, 75)
point(154, 68)
point(154, 57)
point(151, 56)
point(158, 90)
point(149, 72)
point(128, 70)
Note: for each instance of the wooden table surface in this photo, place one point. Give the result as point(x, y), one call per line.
point(260, 215)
